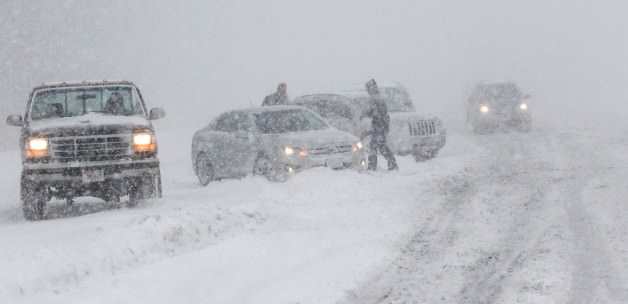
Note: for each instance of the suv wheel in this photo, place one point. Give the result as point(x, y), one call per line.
point(204, 169)
point(34, 199)
point(143, 188)
point(424, 156)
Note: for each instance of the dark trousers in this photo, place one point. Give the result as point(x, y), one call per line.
point(378, 144)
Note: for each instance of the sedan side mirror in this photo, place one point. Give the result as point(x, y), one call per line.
point(15, 120)
point(156, 113)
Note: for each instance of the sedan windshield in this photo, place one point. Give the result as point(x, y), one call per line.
point(328, 107)
point(73, 102)
point(273, 122)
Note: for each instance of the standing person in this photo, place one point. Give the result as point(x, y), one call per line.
point(380, 125)
point(278, 98)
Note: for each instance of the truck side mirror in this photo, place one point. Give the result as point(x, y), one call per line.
point(15, 120)
point(156, 113)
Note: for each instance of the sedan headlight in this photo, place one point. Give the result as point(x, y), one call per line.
point(36, 147)
point(358, 146)
point(144, 142)
point(484, 109)
point(523, 106)
point(289, 151)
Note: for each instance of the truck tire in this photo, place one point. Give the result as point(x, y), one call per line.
point(525, 127)
point(34, 198)
point(143, 188)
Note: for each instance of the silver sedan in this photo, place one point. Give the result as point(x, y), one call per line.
point(274, 142)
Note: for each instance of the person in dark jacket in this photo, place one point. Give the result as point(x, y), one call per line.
point(278, 98)
point(114, 104)
point(380, 125)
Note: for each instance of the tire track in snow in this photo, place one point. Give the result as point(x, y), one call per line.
point(436, 229)
point(515, 166)
point(509, 166)
point(595, 269)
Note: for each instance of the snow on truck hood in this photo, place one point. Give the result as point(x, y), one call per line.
point(91, 119)
point(409, 116)
point(314, 138)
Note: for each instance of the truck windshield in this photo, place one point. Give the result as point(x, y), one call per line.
point(273, 122)
point(503, 92)
point(71, 102)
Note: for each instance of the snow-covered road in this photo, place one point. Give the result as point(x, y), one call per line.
point(540, 218)
point(504, 218)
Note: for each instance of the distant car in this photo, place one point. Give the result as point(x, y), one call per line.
point(87, 139)
point(274, 142)
point(495, 106)
point(410, 132)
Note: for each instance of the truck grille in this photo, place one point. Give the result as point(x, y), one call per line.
point(332, 149)
point(91, 148)
point(422, 128)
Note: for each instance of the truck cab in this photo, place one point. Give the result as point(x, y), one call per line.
point(87, 139)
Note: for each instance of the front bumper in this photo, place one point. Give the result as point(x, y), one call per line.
point(334, 161)
point(499, 120)
point(410, 145)
point(73, 172)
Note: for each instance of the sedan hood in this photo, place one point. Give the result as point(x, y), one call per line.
point(314, 138)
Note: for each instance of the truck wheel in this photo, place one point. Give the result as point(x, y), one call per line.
point(525, 128)
point(34, 199)
point(143, 188)
point(204, 169)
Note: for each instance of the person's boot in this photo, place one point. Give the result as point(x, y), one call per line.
point(392, 164)
point(372, 166)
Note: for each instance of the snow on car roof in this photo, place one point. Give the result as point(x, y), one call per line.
point(63, 84)
point(355, 90)
point(496, 83)
point(255, 110)
point(309, 97)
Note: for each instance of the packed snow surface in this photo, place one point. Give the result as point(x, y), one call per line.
point(504, 218)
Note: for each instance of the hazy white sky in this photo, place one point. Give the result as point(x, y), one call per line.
point(222, 54)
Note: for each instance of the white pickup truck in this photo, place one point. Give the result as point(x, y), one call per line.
point(87, 139)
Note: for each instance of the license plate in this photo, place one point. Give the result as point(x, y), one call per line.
point(93, 176)
point(335, 163)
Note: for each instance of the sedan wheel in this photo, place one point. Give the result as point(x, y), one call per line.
point(264, 167)
point(204, 170)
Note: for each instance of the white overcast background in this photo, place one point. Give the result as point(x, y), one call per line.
point(197, 58)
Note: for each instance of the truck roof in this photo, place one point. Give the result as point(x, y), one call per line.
point(85, 83)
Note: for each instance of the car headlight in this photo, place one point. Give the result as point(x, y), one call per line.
point(358, 146)
point(484, 109)
point(37, 147)
point(289, 151)
point(144, 142)
point(523, 106)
